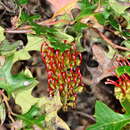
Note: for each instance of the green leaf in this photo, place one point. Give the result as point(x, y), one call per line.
point(78, 27)
point(25, 99)
point(86, 9)
point(10, 82)
point(32, 117)
point(30, 19)
point(114, 23)
point(34, 43)
point(126, 43)
point(127, 69)
point(106, 119)
point(7, 48)
point(126, 34)
point(24, 17)
point(21, 2)
point(49, 105)
point(2, 37)
point(126, 15)
point(126, 105)
point(42, 29)
point(2, 112)
point(60, 46)
point(100, 18)
point(61, 36)
point(122, 69)
point(118, 7)
point(111, 52)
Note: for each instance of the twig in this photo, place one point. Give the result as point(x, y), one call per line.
point(85, 115)
point(5, 99)
point(17, 31)
point(9, 10)
point(28, 28)
point(109, 41)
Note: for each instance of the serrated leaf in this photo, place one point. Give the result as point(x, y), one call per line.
point(10, 82)
point(7, 48)
point(48, 105)
point(107, 119)
point(34, 43)
point(24, 98)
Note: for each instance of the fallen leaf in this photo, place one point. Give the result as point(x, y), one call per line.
point(105, 67)
point(62, 6)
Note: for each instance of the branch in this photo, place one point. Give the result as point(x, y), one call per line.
point(85, 115)
point(28, 28)
point(5, 99)
point(109, 41)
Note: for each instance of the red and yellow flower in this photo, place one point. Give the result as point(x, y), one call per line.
point(63, 73)
point(122, 84)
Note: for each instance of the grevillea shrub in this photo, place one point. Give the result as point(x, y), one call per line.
point(122, 84)
point(63, 73)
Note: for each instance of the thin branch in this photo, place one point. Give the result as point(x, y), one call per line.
point(9, 10)
point(28, 28)
point(109, 41)
point(85, 115)
point(5, 99)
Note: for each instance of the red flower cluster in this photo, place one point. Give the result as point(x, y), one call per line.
point(123, 81)
point(63, 73)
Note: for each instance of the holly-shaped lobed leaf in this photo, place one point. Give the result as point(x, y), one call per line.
point(10, 82)
point(7, 48)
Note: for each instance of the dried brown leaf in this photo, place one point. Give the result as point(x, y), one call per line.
point(105, 67)
point(62, 6)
